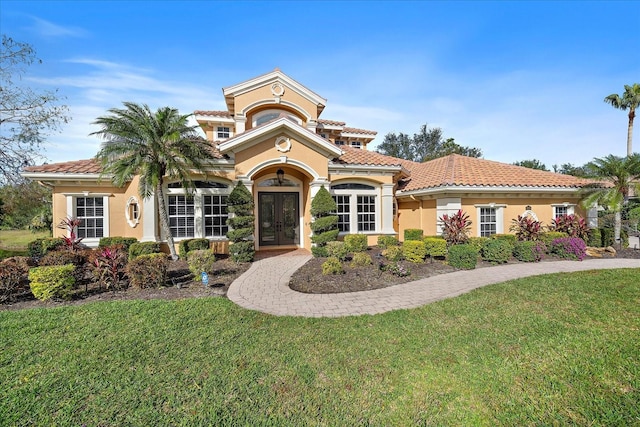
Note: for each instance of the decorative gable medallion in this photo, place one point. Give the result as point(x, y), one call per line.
point(283, 144)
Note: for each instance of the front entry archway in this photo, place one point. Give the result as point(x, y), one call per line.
point(278, 218)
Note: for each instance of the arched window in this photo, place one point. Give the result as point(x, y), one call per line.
point(268, 115)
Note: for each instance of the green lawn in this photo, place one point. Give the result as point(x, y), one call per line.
point(552, 350)
point(18, 239)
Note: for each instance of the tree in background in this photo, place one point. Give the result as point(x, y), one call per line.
point(427, 144)
point(26, 205)
point(619, 176)
point(532, 164)
point(629, 100)
point(26, 115)
point(570, 169)
point(157, 146)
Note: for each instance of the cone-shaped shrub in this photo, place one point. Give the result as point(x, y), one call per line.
point(240, 202)
point(325, 223)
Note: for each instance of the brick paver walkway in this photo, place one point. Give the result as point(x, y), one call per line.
point(264, 287)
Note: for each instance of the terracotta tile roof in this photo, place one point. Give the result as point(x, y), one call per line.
point(457, 170)
point(356, 156)
point(224, 114)
point(89, 166)
point(362, 131)
point(331, 122)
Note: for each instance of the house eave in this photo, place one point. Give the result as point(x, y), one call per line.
point(479, 189)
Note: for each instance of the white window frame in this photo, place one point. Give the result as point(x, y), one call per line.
point(199, 208)
point(499, 209)
point(356, 144)
point(353, 205)
point(71, 212)
point(569, 207)
point(221, 131)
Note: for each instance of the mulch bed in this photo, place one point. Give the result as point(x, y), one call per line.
point(309, 278)
point(180, 285)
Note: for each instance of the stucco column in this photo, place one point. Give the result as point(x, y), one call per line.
point(150, 219)
point(592, 217)
point(240, 123)
point(387, 209)
point(314, 186)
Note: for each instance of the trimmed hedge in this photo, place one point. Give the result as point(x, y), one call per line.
point(125, 242)
point(240, 204)
point(188, 245)
point(550, 236)
point(510, 238)
point(569, 248)
point(529, 251)
point(325, 222)
point(356, 242)
point(54, 281)
point(414, 250)
point(412, 234)
point(143, 248)
point(464, 257)
point(435, 246)
point(148, 270)
point(497, 251)
point(477, 242)
point(393, 253)
point(319, 251)
point(387, 241)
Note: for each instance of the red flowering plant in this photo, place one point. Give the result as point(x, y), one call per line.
point(108, 267)
point(72, 241)
point(526, 228)
point(456, 228)
point(573, 225)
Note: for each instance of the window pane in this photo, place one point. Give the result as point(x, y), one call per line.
point(488, 225)
point(343, 208)
point(90, 212)
point(215, 216)
point(366, 206)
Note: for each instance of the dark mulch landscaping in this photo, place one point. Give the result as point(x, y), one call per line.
point(180, 285)
point(309, 278)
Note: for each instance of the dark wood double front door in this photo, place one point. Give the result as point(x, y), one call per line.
point(278, 218)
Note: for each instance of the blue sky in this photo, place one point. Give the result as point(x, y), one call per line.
point(520, 80)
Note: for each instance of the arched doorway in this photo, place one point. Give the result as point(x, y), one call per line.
point(280, 218)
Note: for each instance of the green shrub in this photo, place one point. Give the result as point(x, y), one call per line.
point(478, 242)
point(497, 251)
point(319, 251)
point(607, 236)
point(187, 245)
point(242, 223)
point(387, 241)
point(332, 266)
point(463, 256)
point(55, 281)
point(550, 236)
point(595, 238)
point(40, 247)
point(529, 251)
point(124, 242)
point(200, 260)
point(412, 234)
point(143, 248)
point(435, 246)
point(148, 270)
point(242, 251)
point(13, 273)
point(393, 253)
point(361, 259)
point(414, 250)
point(509, 238)
point(624, 238)
point(337, 249)
point(356, 242)
point(325, 221)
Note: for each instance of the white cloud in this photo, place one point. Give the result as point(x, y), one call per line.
point(49, 29)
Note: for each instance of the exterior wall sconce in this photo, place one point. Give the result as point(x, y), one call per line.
point(280, 175)
point(528, 207)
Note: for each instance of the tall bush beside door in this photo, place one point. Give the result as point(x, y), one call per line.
point(240, 202)
point(325, 222)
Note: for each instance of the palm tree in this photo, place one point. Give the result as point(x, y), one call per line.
point(630, 100)
point(154, 146)
point(620, 176)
